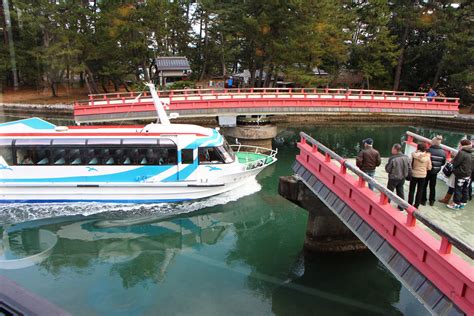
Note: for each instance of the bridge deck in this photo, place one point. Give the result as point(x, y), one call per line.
point(458, 223)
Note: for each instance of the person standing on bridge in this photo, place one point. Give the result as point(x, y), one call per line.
point(421, 164)
point(431, 94)
point(462, 165)
point(438, 159)
point(398, 168)
point(368, 159)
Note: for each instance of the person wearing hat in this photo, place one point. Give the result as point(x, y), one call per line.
point(438, 159)
point(368, 159)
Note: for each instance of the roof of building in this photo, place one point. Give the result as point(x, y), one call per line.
point(172, 63)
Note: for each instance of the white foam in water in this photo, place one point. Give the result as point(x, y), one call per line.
point(21, 212)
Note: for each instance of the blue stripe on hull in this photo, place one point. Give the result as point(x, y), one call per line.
point(94, 201)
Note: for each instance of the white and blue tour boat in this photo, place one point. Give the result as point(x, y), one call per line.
point(160, 162)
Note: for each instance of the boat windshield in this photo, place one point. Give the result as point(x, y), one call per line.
point(228, 150)
point(219, 154)
point(227, 157)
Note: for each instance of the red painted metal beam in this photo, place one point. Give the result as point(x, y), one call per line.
point(452, 275)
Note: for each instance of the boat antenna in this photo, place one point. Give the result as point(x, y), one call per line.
point(159, 107)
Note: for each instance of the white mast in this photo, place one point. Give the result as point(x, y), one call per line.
point(159, 107)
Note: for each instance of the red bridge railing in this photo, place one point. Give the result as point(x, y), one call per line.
point(451, 274)
point(202, 98)
point(214, 91)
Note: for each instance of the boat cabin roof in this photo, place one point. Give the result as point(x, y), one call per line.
point(37, 127)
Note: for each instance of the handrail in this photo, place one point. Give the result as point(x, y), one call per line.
point(295, 90)
point(427, 140)
point(348, 93)
point(357, 171)
point(255, 149)
point(465, 248)
point(273, 152)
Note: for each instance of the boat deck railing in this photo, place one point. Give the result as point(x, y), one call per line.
point(269, 155)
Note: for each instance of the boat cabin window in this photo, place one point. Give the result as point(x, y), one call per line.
point(187, 156)
point(96, 152)
point(6, 153)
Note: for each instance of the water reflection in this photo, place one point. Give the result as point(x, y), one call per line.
point(25, 248)
point(138, 249)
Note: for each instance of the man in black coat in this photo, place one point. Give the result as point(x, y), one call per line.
point(438, 159)
point(462, 164)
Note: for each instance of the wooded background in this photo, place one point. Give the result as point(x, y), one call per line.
point(395, 44)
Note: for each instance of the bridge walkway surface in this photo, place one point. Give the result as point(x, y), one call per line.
point(459, 223)
point(440, 278)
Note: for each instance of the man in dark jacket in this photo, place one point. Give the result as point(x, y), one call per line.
point(368, 159)
point(438, 159)
point(398, 168)
point(462, 171)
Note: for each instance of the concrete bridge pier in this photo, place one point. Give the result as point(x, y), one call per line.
point(251, 131)
point(324, 231)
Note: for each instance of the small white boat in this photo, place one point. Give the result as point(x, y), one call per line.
point(163, 162)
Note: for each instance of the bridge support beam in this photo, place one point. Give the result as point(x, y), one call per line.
point(324, 232)
point(255, 135)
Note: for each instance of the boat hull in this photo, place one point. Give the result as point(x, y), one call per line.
point(121, 192)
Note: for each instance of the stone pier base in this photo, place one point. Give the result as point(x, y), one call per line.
point(254, 135)
point(324, 232)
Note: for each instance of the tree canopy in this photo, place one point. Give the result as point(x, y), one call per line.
point(395, 44)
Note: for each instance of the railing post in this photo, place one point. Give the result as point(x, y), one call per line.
point(314, 148)
point(445, 247)
point(303, 140)
point(411, 220)
point(343, 169)
point(383, 198)
point(327, 157)
point(361, 182)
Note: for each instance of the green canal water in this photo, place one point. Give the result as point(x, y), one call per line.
point(239, 253)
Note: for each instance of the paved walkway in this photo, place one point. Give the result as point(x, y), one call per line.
point(459, 223)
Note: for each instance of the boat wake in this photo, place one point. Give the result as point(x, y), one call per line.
point(20, 212)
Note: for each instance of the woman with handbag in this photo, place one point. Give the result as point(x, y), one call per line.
point(448, 173)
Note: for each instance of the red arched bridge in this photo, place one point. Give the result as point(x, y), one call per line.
point(421, 258)
point(264, 101)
